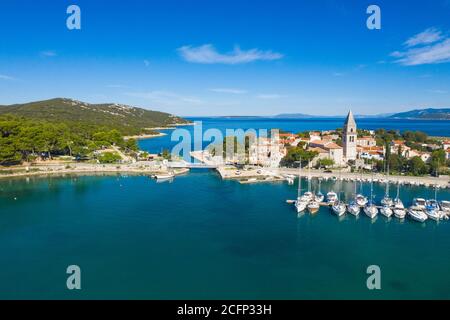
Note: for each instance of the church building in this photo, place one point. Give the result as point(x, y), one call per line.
point(349, 137)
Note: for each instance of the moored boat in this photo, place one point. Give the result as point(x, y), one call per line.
point(339, 208)
point(313, 206)
point(353, 208)
point(386, 211)
point(419, 203)
point(371, 210)
point(331, 197)
point(417, 214)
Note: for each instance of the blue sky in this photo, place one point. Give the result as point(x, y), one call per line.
point(210, 57)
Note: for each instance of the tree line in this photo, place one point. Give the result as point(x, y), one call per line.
point(22, 139)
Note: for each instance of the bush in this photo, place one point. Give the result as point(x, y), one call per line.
point(109, 157)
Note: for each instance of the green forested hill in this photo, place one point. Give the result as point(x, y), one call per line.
point(128, 120)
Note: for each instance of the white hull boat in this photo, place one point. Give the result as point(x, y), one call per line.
point(419, 203)
point(331, 197)
point(313, 206)
point(417, 214)
point(319, 197)
point(300, 205)
point(371, 210)
point(339, 209)
point(361, 200)
point(386, 211)
point(354, 209)
point(400, 213)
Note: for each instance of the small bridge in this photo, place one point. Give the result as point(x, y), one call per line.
point(191, 165)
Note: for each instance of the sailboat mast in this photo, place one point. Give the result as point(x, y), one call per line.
point(299, 178)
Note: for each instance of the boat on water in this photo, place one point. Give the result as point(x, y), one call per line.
point(387, 200)
point(419, 203)
point(370, 209)
point(301, 202)
point(319, 195)
point(361, 200)
point(386, 211)
point(331, 197)
point(290, 179)
point(445, 206)
point(164, 176)
point(398, 203)
point(400, 213)
point(313, 206)
point(339, 208)
point(417, 214)
point(353, 208)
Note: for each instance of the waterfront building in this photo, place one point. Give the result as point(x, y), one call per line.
point(332, 150)
point(349, 137)
point(266, 152)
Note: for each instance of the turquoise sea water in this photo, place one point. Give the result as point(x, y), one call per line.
point(201, 237)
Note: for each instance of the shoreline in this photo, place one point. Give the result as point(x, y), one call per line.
point(145, 136)
point(88, 170)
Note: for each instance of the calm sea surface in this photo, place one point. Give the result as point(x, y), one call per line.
point(201, 237)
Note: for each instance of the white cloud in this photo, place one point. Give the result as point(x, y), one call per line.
point(5, 77)
point(430, 35)
point(270, 96)
point(228, 90)
point(428, 47)
point(207, 54)
point(48, 53)
point(166, 98)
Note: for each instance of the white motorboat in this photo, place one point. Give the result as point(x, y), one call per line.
point(164, 176)
point(419, 203)
point(433, 213)
point(339, 208)
point(445, 206)
point(353, 208)
point(417, 214)
point(386, 211)
point(313, 206)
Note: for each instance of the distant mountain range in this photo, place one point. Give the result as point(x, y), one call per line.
point(127, 119)
point(426, 114)
point(423, 114)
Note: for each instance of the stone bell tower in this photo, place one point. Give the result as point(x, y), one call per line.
point(349, 137)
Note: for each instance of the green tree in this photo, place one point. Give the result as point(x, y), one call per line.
point(294, 155)
point(417, 166)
